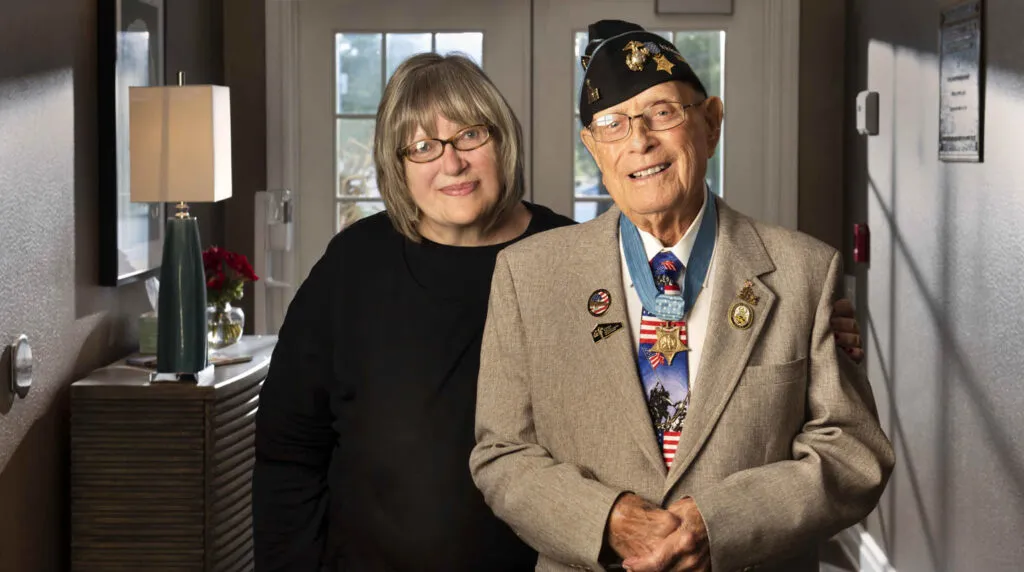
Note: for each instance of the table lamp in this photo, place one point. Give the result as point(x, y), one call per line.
point(180, 152)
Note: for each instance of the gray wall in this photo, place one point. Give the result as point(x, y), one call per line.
point(48, 247)
point(246, 73)
point(944, 295)
point(822, 104)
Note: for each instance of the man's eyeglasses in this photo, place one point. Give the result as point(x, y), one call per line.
point(658, 117)
point(427, 150)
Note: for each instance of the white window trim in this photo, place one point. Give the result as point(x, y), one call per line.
point(782, 133)
point(282, 66)
point(781, 60)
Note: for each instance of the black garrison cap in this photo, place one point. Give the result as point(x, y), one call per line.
point(621, 60)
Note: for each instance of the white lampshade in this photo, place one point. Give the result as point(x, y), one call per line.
point(180, 143)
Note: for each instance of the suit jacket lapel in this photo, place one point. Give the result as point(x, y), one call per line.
point(598, 266)
point(739, 256)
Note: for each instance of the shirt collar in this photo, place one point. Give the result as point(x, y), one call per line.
point(681, 249)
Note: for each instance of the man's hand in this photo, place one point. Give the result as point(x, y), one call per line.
point(636, 526)
point(686, 549)
point(846, 329)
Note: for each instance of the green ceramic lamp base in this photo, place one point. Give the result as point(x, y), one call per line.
point(181, 327)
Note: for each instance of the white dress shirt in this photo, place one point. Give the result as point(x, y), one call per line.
point(697, 319)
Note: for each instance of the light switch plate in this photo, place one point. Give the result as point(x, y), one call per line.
point(867, 113)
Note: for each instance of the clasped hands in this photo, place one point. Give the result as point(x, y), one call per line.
point(652, 539)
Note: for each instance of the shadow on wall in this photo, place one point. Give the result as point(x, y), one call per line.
point(35, 490)
point(942, 298)
point(7, 396)
point(956, 366)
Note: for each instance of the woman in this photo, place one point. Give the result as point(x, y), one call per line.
point(366, 418)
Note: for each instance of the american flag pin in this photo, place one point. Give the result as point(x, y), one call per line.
point(599, 302)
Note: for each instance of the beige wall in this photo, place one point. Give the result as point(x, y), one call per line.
point(944, 293)
point(48, 247)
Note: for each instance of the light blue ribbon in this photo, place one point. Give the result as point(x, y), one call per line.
point(670, 307)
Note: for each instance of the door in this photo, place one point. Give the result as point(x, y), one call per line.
point(728, 53)
point(347, 51)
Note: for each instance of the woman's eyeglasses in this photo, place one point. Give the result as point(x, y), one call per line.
point(427, 150)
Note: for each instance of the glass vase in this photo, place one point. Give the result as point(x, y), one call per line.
point(224, 324)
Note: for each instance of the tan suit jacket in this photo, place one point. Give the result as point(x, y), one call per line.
point(781, 447)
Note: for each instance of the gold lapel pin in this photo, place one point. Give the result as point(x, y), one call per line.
point(741, 316)
point(747, 294)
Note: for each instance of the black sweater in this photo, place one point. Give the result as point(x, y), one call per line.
point(365, 422)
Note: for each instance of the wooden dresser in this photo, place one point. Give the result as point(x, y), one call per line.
point(161, 473)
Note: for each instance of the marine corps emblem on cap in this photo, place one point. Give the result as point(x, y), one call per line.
point(622, 59)
point(637, 56)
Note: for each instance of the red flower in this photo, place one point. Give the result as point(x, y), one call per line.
point(215, 282)
point(226, 272)
point(240, 264)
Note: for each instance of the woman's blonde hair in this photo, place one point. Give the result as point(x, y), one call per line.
point(424, 87)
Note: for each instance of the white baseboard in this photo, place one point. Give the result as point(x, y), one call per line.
point(861, 548)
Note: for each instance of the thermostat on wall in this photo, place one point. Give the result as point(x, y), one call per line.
point(867, 113)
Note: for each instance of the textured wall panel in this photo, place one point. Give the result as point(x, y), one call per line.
point(945, 290)
point(48, 246)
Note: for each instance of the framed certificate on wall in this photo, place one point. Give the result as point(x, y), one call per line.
point(961, 83)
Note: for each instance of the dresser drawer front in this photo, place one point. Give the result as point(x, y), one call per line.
point(232, 456)
point(137, 484)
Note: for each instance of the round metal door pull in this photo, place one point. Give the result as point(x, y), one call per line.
point(21, 366)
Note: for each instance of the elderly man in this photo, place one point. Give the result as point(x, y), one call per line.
point(660, 388)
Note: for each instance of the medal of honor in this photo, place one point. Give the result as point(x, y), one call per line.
point(670, 308)
point(670, 342)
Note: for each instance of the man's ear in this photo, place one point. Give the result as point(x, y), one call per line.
point(714, 113)
point(590, 143)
